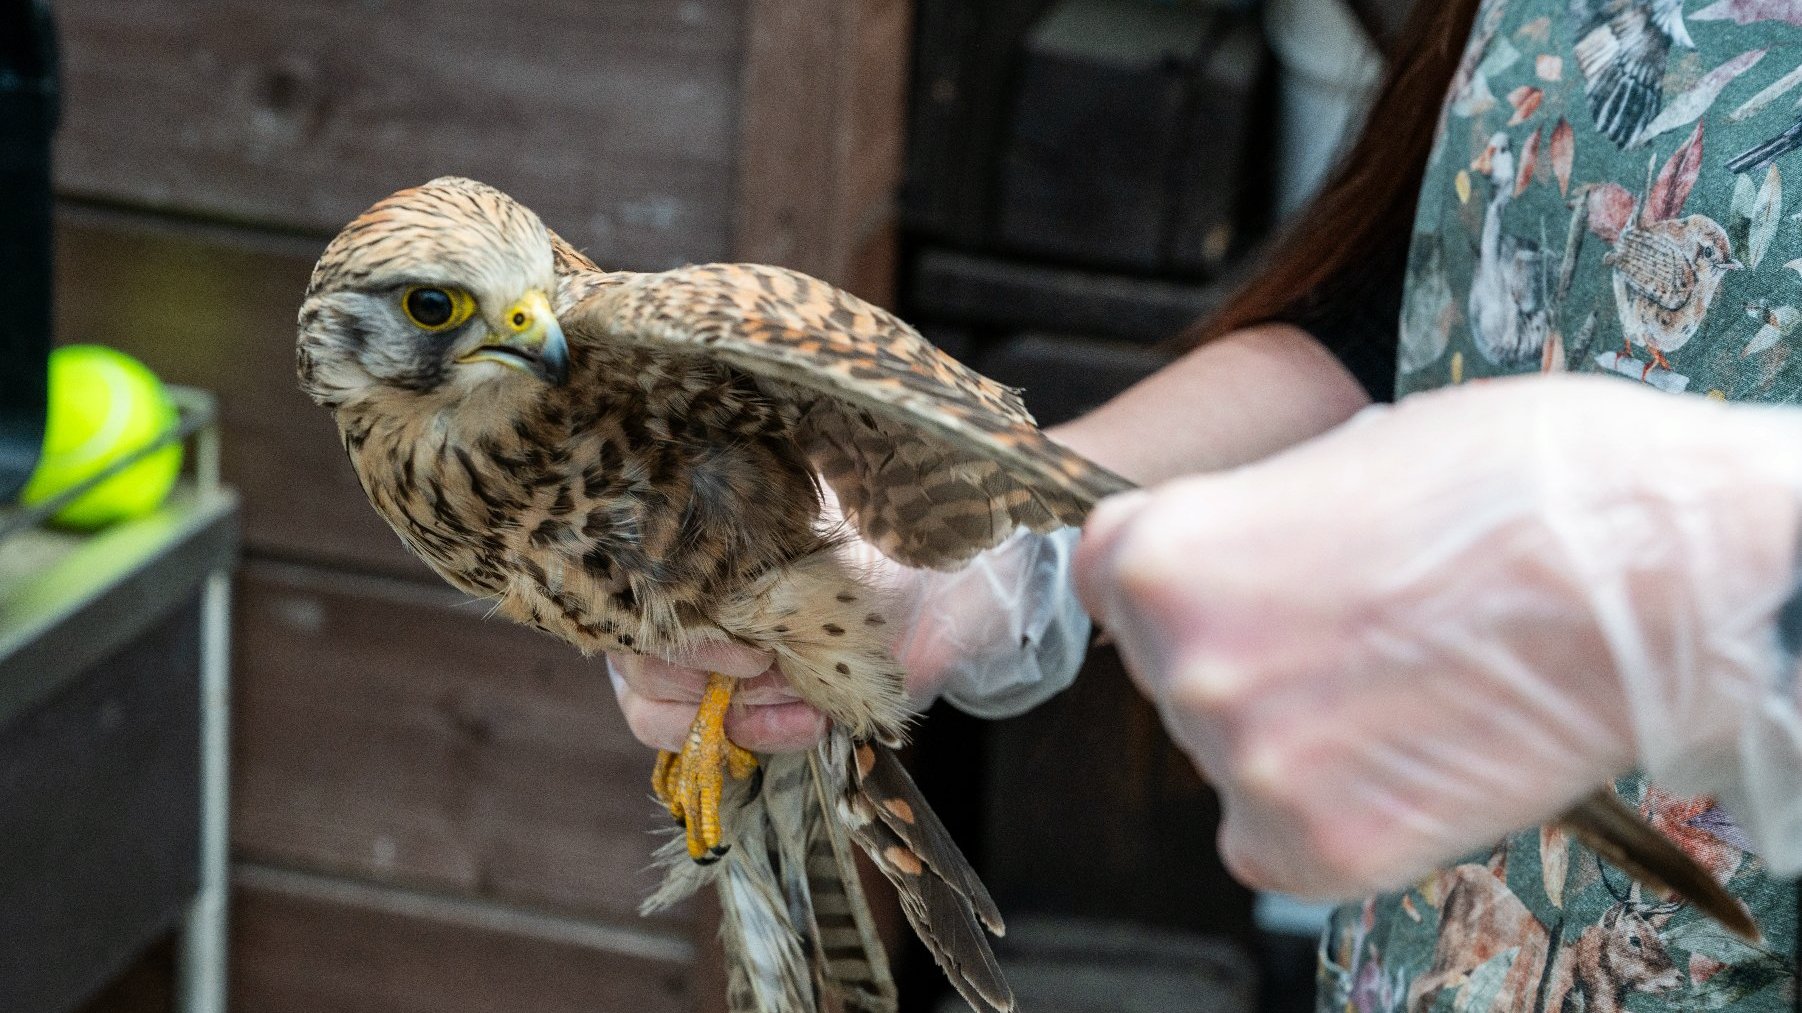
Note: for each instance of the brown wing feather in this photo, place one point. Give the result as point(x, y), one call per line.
point(932, 461)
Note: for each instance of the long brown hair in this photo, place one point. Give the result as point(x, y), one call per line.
point(1366, 210)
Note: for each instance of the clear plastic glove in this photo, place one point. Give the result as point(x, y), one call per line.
point(1452, 619)
point(995, 638)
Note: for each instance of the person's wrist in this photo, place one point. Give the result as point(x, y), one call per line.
point(1003, 635)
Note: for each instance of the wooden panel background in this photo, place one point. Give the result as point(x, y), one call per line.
point(387, 731)
point(811, 93)
point(614, 119)
point(433, 811)
point(309, 944)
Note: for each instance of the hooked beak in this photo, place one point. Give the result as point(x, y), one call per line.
point(529, 339)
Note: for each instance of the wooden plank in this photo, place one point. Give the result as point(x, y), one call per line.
point(1091, 158)
point(820, 142)
point(387, 731)
point(960, 288)
point(1093, 813)
point(215, 308)
point(614, 119)
point(303, 944)
point(968, 58)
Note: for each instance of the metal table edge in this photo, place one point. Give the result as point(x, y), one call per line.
point(116, 585)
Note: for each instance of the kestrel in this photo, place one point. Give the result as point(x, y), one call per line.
point(632, 462)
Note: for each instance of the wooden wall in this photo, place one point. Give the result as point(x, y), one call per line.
point(433, 811)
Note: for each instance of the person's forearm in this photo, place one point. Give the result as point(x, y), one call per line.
point(1235, 400)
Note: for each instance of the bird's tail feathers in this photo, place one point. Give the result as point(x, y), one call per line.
point(849, 954)
point(794, 921)
point(943, 899)
point(1616, 832)
point(767, 962)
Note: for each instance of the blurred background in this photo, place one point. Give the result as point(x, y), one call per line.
point(433, 812)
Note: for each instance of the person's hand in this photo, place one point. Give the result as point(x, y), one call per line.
point(659, 699)
point(1454, 618)
point(994, 637)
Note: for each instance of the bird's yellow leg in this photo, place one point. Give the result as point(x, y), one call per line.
point(707, 758)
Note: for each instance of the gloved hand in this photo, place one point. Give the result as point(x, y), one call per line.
point(1453, 618)
point(995, 638)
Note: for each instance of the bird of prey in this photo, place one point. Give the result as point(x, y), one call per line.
point(632, 462)
point(1622, 49)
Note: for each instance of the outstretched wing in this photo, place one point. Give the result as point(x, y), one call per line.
point(932, 461)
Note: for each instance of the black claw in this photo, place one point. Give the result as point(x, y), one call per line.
point(707, 859)
point(714, 854)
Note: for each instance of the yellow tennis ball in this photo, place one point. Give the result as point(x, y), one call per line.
point(104, 405)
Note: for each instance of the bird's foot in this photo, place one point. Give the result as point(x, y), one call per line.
point(690, 783)
point(1658, 360)
point(664, 781)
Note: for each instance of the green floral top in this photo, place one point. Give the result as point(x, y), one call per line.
point(1606, 194)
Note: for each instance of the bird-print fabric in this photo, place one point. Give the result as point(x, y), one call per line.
point(1616, 188)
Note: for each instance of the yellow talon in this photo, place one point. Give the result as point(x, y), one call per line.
point(666, 779)
point(691, 784)
point(740, 762)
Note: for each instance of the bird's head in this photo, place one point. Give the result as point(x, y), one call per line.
point(436, 293)
point(1710, 247)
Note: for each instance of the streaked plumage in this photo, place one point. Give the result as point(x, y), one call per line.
point(665, 496)
point(654, 488)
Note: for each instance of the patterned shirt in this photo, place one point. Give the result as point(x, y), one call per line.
point(1606, 194)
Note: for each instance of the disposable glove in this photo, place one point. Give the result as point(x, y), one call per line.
point(995, 638)
point(1452, 619)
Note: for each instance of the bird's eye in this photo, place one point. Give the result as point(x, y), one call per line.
point(437, 309)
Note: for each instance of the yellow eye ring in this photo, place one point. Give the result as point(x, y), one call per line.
point(432, 308)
